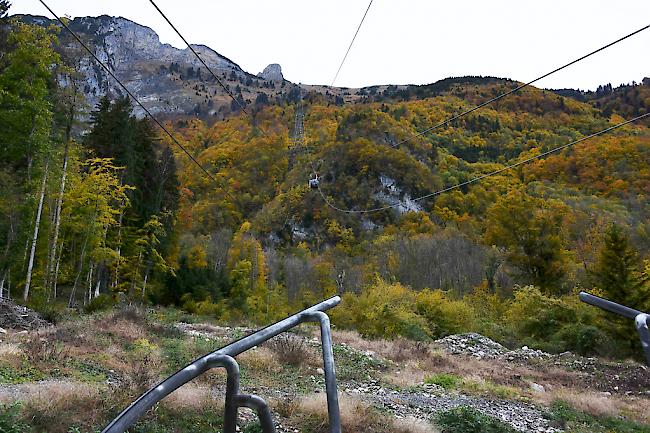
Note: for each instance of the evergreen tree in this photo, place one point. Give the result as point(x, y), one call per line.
point(25, 108)
point(201, 283)
point(617, 267)
point(4, 8)
point(131, 143)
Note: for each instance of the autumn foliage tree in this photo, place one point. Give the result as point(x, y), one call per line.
point(530, 229)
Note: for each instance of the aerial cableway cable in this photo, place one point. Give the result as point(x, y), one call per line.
point(483, 176)
point(147, 112)
point(518, 88)
point(351, 43)
point(223, 86)
point(490, 101)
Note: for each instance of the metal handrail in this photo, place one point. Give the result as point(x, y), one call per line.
point(224, 357)
point(641, 319)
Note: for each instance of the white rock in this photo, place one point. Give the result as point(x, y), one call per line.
point(536, 387)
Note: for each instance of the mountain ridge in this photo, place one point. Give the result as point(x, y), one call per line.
point(171, 82)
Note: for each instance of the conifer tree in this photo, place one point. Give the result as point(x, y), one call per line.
point(617, 267)
point(4, 9)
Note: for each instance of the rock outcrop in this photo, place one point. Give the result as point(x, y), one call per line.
point(167, 80)
point(272, 72)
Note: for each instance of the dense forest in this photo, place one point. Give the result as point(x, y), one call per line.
point(99, 207)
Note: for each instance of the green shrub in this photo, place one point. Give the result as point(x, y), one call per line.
point(574, 421)
point(383, 310)
point(10, 420)
point(555, 324)
point(448, 316)
point(25, 373)
point(582, 339)
point(467, 420)
point(102, 302)
point(447, 381)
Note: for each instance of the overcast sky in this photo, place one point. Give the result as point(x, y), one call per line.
point(401, 41)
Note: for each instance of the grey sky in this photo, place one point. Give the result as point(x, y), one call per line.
point(401, 42)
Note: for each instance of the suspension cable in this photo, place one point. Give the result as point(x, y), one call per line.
point(483, 176)
point(518, 88)
point(351, 42)
point(223, 86)
point(147, 112)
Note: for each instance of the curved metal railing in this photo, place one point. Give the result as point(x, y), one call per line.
point(641, 319)
point(224, 357)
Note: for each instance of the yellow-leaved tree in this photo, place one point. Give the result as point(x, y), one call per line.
point(249, 292)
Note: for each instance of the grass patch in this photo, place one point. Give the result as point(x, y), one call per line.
point(23, 374)
point(254, 427)
point(309, 414)
point(178, 352)
point(10, 420)
point(445, 380)
point(574, 421)
point(467, 420)
point(165, 420)
point(354, 365)
point(484, 387)
point(89, 372)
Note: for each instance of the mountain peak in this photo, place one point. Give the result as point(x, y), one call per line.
point(272, 72)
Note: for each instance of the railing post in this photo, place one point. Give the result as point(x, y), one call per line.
point(232, 390)
point(261, 408)
point(641, 321)
point(329, 368)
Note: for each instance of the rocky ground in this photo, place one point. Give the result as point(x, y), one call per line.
point(77, 375)
point(422, 400)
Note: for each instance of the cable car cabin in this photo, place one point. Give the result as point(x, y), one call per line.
point(313, 182)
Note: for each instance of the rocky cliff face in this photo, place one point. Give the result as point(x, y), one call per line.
point(171, 82)
point(272, 72)
point(167, 80)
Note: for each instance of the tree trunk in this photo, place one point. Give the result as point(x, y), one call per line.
point(30, 265)
point(76, 280)
point(116, 281)
point(144, 285)
point(134, 283)
point(89, 281)
point(5, 256)
point(99, 280)
point(52, 207)
point(52, 260)
point(56, 271)
point(25, 255)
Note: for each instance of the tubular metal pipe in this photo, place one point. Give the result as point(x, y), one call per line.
point(258, 337)
point(139, 407)
point(131, 414)
point(232, 389)
point(641, 321)
point(329, 367)
point(610, 306)
point(258, 405)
